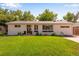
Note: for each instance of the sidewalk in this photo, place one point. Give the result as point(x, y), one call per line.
point(76, 38)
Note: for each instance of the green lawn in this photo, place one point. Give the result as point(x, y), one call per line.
point(37, 45)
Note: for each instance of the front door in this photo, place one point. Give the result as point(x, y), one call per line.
point(29, 30)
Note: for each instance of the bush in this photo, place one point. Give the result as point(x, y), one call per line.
point(1, 33)
point(19, 33)
point(37, 33)
point(53, 34)
point(40, 34)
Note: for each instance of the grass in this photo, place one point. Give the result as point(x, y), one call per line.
point(37, 46)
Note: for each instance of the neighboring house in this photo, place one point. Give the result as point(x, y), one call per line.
point(42, 27)
point(2, 29)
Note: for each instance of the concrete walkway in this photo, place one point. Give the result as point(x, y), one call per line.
point(75, 38)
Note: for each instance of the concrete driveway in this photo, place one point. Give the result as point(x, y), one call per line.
point(75, 38)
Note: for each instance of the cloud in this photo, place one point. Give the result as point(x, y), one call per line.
point(11, 5)
point(72, 5)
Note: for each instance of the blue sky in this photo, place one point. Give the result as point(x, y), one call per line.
point(37, 8)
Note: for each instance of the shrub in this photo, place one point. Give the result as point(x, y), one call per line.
point(19, 33)
point(40, 34)
point(1, 33)
point(37, 33)
point(53, 34)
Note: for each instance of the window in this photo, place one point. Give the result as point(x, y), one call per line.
point(35, 28)
point(28, 27)
point(47, 28)
point(17, 25)
point(64, 26)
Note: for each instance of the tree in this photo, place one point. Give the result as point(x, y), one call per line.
point(47, 16)
point(2, 19)
point(1, 11)
point(27, 16)
point(69, 17)
point(5, 16)
point(17, 15)
point(14, 15)
point(76, 17)
point(6, 11)
point(2, 16)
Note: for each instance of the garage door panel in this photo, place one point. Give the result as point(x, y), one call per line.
point(76, 30)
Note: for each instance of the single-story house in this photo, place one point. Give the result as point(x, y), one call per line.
point(42, 27)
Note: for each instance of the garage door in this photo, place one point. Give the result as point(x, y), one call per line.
point(76, 30)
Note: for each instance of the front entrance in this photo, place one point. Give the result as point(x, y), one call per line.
point(29, 30)
point(76, 30)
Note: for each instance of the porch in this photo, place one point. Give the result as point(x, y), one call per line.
point(40, 29)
